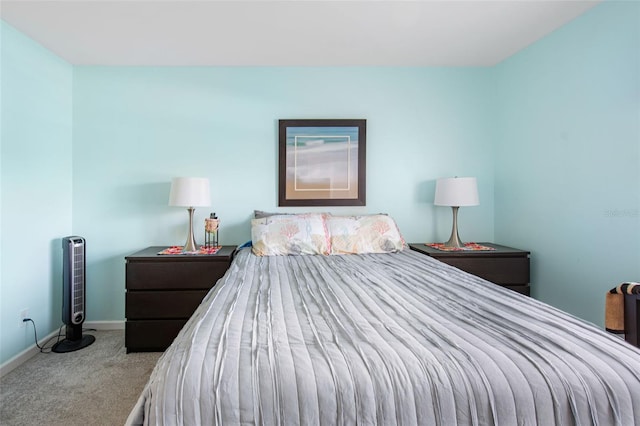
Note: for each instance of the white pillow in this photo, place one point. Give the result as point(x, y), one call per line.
point(364, 234)
point(290, 234)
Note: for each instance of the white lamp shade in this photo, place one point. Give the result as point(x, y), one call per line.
point(456, 192)
point(189, 192)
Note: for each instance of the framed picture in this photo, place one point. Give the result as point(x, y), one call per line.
point(322, 162)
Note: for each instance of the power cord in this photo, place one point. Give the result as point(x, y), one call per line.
point(44, 349)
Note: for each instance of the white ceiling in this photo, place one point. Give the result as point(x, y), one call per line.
point(288, 33)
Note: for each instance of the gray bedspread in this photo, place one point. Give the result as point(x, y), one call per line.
point(384, 339)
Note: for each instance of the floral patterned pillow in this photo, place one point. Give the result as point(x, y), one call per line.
point(364, 234)
point(290, 235)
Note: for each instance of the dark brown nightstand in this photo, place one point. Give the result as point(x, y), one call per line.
point(505, 266)
point(164, 290)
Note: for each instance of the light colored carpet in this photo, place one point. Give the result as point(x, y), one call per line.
point(97, 385)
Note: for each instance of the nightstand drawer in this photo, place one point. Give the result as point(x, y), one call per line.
point(505, 266)
point(504, 270)
point(523, 289)
point(151, 335)
point(162, 304)
point(174, 275)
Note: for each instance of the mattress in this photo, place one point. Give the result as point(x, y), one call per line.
point(384, 339)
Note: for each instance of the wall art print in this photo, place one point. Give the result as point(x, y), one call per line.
point(322, 162)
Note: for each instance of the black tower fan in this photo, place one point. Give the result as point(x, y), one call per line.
point(73, 295)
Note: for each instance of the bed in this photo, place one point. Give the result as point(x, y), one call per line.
point(391, 337)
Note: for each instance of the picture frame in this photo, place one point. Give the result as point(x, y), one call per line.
point(322, 162)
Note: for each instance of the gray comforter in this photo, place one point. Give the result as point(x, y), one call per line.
point(384, 339)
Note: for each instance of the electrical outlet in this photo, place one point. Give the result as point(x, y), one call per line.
point(23, 314)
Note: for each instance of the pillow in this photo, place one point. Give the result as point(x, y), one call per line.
point(290, 234)
point(364, 234)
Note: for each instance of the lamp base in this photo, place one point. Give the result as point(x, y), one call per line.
point(454, 240)
point(190, 244)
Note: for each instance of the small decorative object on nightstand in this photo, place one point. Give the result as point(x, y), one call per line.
point(211, 231)
point(164, 290)
point(505, 266)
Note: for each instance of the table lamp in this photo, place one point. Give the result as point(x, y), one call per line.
point(190, 192)
point(456, 192)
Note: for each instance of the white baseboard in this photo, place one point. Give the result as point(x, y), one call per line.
point(104, 325)
point(33, 350)
point(25, 355)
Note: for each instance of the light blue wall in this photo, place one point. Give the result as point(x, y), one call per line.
point(35, 186)
point(136, 128)
point(568, 157)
